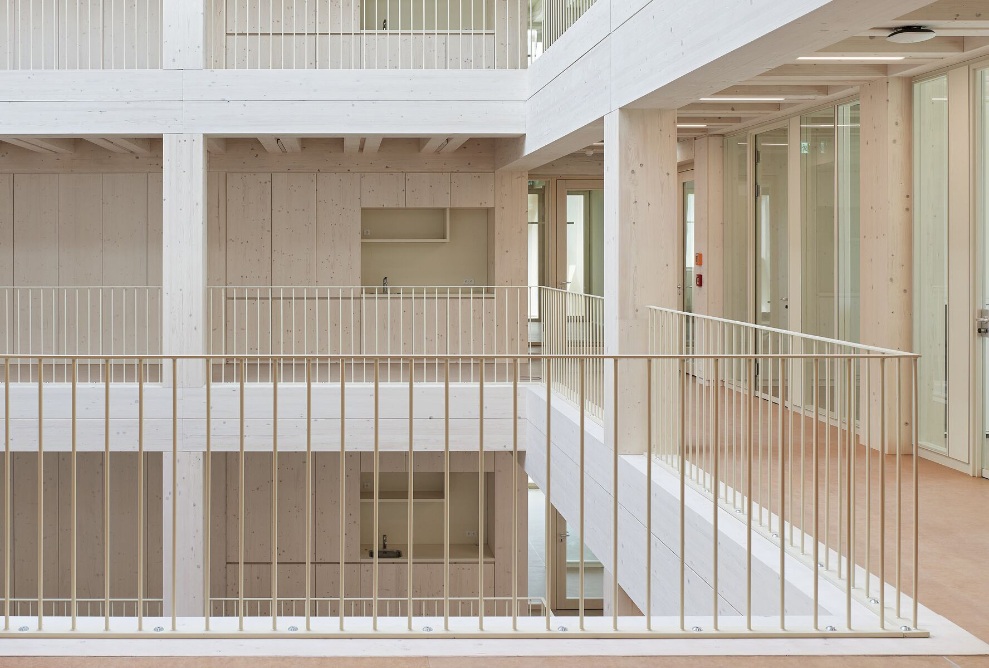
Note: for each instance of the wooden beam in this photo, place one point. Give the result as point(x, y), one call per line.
point(289, 144)
point(216, 145)
point(758, 89)
point(826, 71)
point(947, 10)
point(372, 143)
point(25, 144)
point(939, 47)
point(710, 120)
point(351, 144)
point(274, 144)
point(730, 109)
point(431, 145)
point(135, 146)
point(954, 29)
point(53, 145)
point(454, 144)
point(269, 144)
point(107, 144)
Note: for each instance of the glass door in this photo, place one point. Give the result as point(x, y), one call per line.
point(580, 236)
point(771, 166)
point(772, 251)
point(687, 220)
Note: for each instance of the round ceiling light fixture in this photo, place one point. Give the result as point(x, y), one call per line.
point(911, 35)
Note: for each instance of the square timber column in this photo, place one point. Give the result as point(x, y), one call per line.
point(184, 253)
point(184, 333)
point(507, 244)
point(642, 239)
point(886, 237)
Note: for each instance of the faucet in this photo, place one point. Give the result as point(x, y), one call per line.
point(384, 284)
point(384, 542)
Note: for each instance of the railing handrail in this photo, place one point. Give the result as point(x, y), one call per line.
point(885, 352)
point(79, 287)
point(368, 286)
point(461, 357)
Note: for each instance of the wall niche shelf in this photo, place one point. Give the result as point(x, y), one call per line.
point(405, 225)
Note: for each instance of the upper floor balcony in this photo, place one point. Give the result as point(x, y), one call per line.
point(287, 34)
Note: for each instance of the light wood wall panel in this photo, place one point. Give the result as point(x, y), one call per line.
point(248, 229)
point(6, 229)
point(338, 229)
point(80, 229)
point(125, 229)
point(89, 534)
point(472, 190)
point(427, 189)
point(293, 229)
point(36, 229)
point(154, 206)
point(383, 190)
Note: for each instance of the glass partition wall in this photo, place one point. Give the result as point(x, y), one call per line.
point(982, 205)
point(756, 226)
point(930, 261)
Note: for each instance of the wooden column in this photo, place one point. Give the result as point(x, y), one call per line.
point(507, 253)
point(642, 242)
point(190, 517)
point(184, 253)
point(886, 224)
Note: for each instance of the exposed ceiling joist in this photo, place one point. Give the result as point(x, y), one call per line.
point(106, 143)
point(22, 143)
point(948, 10)
point(961, 30)
point(939, 47)
point(372, 143)
point(728, 109)
point(122, 145)
point(53, 145)
point(351, 144)
point(135, 146)
point(454, 143)
point(710, 120)
point(827, 72)
point(274, 144)
point(216, 145)
point(431, 145)
point(749, 89)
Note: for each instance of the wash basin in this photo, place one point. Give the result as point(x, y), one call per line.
point(386, 554)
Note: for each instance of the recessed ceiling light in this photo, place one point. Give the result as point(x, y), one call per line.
point(691, 125)
point(856, 58)
point(911, 35)
point(743, 99)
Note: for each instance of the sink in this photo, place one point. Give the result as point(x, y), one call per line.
point(386, 554)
